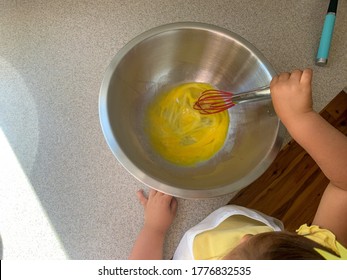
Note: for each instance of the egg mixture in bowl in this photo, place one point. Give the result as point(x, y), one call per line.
point(178, 132)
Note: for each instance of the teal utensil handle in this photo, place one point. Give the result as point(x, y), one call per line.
point(327, 34)
point(325, 41)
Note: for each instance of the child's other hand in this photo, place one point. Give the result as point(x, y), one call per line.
point(160, 210)
point(292, 95)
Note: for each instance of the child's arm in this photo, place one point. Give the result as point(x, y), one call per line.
point(160, 211)
point(292, 99)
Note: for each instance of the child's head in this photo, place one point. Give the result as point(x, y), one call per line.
point(277, 246)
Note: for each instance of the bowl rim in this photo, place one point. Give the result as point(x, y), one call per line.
point(136, 171)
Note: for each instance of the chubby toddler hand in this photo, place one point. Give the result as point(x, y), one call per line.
point(160, 210)
point(292, 95)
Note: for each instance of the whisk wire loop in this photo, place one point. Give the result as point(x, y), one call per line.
point(214, 101)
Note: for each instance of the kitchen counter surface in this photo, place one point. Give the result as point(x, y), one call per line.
point(62, 192)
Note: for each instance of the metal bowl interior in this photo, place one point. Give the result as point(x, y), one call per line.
point(189, 52)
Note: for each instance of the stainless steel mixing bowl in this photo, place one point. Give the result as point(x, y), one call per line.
point(189, 52)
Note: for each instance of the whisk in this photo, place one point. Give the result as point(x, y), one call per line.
point(214, 101)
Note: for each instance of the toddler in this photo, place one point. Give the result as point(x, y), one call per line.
point(235, 232)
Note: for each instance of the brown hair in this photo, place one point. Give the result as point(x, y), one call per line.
point(278, 246)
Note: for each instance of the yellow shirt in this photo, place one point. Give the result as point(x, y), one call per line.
point(228, 220)
point(322, 236)
point(216, 243)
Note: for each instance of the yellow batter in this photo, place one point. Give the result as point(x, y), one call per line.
point(179, 133)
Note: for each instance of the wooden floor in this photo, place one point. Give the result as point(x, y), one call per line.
point(291, 188)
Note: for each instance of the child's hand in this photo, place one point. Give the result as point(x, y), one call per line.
point(160, 210)
point(292, 95)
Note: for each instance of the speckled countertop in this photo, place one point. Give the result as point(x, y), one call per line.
point(62, 192)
